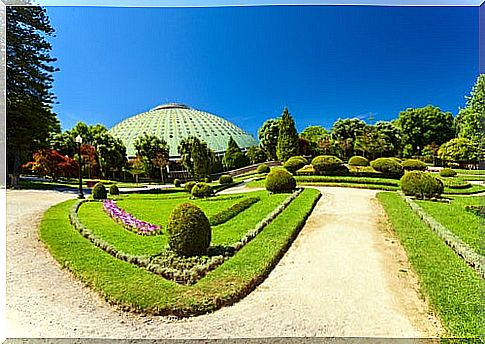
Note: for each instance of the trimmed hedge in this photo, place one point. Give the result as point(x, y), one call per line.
point(307, 170)
point(447, 172)
point(202, 190)
point(295, 163)
point(177, 183)
point(99, 191)
point(387, 166)
point(328, 164)
point(189, 230)
point(414, 165)
point(113, 190)
point(263, 168)
point(226, 179)
point(358, 161)
point(227, 214)
point(280, 181)
point(421, 185)
point(189, 185)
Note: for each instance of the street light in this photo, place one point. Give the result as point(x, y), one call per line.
point(79, 141)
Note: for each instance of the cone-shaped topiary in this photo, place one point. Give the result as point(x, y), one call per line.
point(99, 191)
point(414, 165)
point(288, 142)
point(189, 231)
point(113, 190)
point(263, 168)
point(280, 181)
point(225, 179)
point(202, 190)
point(294, 163)
point(358, 161)
point(421, 185)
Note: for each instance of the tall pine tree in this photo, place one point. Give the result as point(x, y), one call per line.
point(288, 137)
point(30, 119)
point(234, 157)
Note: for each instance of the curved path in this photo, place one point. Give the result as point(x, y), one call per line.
point(344, 276)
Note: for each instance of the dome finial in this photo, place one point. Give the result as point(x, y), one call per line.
point(170, 106)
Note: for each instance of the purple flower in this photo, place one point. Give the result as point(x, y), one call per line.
point(129, 221)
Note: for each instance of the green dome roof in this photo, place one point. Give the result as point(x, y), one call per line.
point(174, 122)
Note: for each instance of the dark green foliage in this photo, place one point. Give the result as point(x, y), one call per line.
point(256, 155)
point(189, 185)
point(226, 179)
point(263, 168)
point(234, 157)
point(154, 152)
point(413, 165)
point(207, 180)
point(99, 191)
point(268, 137)
point(280, 181)
point(358, 161)
point(288, 144)
point(113, 190)
point(30, 119)
point(421, 185)
point(396, 159)
point(470, 122)
point(189, 230)
point(294, 163)
point(177, 183)
point(196, 157)
point(202, 190)
point(447, 172)
point(232, 211)
point(387, 166)
point(328, 164)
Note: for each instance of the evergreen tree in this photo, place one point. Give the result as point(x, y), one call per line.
point(234, 157)
point(288, 137)
point(268, 137)
point(196, 157)
point(30, 119)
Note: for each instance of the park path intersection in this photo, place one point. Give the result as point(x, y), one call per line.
point(345, 276)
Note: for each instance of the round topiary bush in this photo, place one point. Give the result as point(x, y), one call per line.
point(421, 185)
point(278, 181)
point(189, 185)
point(294, 163)
point(328, 164)
point(447, 172)
point(225, 179)
point(189, 231)
point(99, 191)
point(358, 161)
point(263, 168)
point(202, 190)
point(177, 183)
point(113, 190)
point(388, 166)
point(414, 165)
point(396, 159)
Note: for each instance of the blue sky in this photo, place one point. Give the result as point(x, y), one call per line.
point(247, 63)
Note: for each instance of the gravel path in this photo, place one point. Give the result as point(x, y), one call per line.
point(344, 276)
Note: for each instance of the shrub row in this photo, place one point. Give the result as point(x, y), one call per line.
point(475, 260)
point(227, 214)
point(456, 183)
point(346, 179)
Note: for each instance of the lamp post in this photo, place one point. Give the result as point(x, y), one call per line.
point(79, 141)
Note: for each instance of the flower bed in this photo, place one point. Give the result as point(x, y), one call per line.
point(128, 221)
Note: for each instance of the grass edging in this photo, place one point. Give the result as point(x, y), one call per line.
point(452, 287)
point(475, 260)
point(137, 290)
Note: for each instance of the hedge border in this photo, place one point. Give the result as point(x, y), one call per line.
point(475, 260)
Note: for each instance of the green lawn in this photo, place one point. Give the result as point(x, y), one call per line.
point(156, 209)
point(136, 289)
point(453, 288)
point(455, 218)
point(475, 172)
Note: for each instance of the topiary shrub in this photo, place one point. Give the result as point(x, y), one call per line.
point(447, 172)
point(99, 191)
point(278, 181)
point(189, 185)
point(396, 159)
point(421, 185)
point(388, 166)
point(358, 161)
point(189, 231)
point(177, 183)
point(225, 179)
point(202, 190)
point(328, 165)
point(294, 163)
point(414, 165)
point(113, 190)
point(306, 170)
point(263, 168)
point(207, 179)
